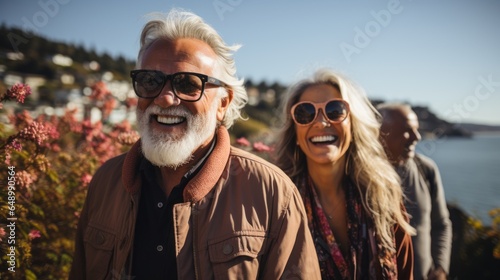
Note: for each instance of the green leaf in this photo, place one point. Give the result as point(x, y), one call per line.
point(30, 275)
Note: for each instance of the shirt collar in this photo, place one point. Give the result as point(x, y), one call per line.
point(197, 166)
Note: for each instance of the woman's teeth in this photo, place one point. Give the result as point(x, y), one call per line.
point(322, 139)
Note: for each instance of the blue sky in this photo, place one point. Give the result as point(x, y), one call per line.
point(441, 54)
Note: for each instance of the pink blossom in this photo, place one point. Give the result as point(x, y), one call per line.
point(242, 141)
point(19, 92)
point(124, 126)
point(90, 130)
point(128, 138)
point(108, 106)
point(131, 102)
point(8, 156)
point(50, 127)
point(36, 132)
point(52, 131)
point(24, 179)
point(55, 147)
point(261, 147)
point(88, 126)
point(99, 91)
point(8, 152)
point(99, 143)
point(16, 145)
point(70, 119)
point(2, 233)
point(21, 119)
point(104, 147)
point(85, 179)
point(34, 234)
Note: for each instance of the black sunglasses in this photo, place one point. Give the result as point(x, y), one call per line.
point(305, 112)
point(187, 86)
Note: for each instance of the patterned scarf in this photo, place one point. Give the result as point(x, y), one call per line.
point(366, 259)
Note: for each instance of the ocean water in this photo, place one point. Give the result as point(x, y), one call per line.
point(470, 170)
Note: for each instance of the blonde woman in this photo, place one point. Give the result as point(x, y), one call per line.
point(329, 147)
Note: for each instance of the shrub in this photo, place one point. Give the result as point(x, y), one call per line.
point(476, 247)
point(48, 162)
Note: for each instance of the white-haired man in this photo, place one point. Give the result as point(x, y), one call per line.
point(183, 203)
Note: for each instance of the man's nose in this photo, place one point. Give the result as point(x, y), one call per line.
point(167, 97)
point(415, 135)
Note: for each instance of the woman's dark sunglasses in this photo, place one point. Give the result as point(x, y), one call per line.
point(187, 86)
point(305, 112)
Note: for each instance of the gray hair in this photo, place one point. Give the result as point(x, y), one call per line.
point(387, 110)
point(178, 24)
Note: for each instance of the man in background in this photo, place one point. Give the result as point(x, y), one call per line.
point(423, 188)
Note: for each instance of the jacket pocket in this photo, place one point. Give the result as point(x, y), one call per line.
point(99, 245)
point(237, 256)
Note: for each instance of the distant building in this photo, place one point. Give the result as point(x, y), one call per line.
point(253, 96)
point(62, 60)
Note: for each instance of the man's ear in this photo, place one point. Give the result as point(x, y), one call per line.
point(224, 104)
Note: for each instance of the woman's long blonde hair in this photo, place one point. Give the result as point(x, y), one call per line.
point(369, 169)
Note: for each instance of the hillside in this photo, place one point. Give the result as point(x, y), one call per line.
point(29, 53)
point(480, 128)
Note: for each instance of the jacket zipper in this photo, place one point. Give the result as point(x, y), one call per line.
point(195, 238)
point(131, 234)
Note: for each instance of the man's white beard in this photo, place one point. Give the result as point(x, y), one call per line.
point(175, 150)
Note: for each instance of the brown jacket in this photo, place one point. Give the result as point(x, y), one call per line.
point(242, 218)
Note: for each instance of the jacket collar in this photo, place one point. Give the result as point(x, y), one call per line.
point(199, 185)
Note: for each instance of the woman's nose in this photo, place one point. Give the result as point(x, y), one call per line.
point(321, 119)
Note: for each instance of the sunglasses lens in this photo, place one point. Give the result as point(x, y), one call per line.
point(187, 86)
point(304, 113)
point(336, 111)
point(147, 84)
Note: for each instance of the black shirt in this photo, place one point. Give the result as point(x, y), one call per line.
point(154, 247)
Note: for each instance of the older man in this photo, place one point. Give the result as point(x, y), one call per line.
point(422, 185)
point(183, 203)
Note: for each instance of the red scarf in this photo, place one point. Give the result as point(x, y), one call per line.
point(366, 259)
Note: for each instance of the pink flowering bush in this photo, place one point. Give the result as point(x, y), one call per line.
point(34, 234)
point(258, 148)
point(48, 162)
point(18, 92)
point(103, 99)
point(242, 141)
point(261, 147)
